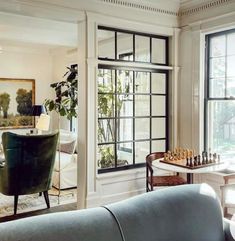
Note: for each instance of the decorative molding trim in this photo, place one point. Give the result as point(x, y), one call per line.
point(181, 13)
point(140, 7)
point(203, 7)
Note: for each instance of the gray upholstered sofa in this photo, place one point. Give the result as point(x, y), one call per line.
point(184, 213)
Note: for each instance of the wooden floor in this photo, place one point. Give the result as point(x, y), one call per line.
point(61, 208)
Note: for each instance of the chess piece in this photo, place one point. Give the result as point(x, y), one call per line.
point(165, 156)
point(214, 158)
point(187, 161)
point(195, 161)
point(207, 158)
point(203, 158)
point(210, 159)
point(199, 160)
point(218, 158)
point(191, 162)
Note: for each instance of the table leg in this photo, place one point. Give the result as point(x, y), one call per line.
point(190, 178)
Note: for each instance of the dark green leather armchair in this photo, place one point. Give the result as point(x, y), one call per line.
point(28, 166)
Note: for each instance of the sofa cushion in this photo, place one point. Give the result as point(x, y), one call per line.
point(95, 224)
point(183, 213)
point(67, 147)
point(66, 161)
point(67, 141)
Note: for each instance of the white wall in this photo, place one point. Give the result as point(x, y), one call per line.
point(61, 58)
point(107, 187)
point(28, 63)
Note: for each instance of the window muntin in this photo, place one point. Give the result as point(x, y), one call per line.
point(220, 94)
point(132, 101)
point(127, 128)
point(121, 45)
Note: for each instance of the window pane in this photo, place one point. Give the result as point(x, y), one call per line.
point(158, 128)
point(106, 157)
point(106, 105)
point(124, 154)
point(125, 81)
point(142, 82)
point(142, 128)
point(158, 105)
point(106, 130)
point(142, 105)
point(230, 44)
point(218, 46)
point(142, 48)
point(231, 87)
point(142, 149)
point(125, 105)
point(231, 66)
point(124, 129)
point(217, 88)
point(221, 128)
point(158, 51)
point(106, 81)
point(125, 46)
point(106, 44)
point(217, 67)
point(158, 83)
point(159, 146)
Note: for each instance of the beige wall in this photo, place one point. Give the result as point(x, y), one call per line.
point(28, 63)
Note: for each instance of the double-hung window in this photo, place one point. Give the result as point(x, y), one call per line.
point(220, 94)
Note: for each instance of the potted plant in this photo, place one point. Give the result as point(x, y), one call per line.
point(65, 103)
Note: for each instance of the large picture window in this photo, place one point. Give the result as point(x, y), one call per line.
point(220, 94)
point(132, 100)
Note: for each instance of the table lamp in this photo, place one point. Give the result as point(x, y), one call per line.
point(43, 123)
point(37, 110)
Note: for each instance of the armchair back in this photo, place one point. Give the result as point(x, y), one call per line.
point(29, 162)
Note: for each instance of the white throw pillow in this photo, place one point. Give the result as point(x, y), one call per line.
point(68, 141)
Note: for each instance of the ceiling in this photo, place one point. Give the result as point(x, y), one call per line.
point(53, 22)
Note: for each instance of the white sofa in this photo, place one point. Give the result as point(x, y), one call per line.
point(65, 168)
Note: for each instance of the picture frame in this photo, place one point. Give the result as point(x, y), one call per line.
point(17, 96)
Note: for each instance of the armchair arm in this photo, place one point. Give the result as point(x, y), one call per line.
point(228, 225)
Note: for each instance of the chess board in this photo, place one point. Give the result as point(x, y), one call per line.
point(182, 163)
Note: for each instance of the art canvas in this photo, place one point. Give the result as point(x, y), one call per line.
point(16, 99)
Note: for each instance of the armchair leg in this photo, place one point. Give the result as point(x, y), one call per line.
point(15, 203)
point(45, 193)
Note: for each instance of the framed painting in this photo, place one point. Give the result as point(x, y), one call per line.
point(17, 96)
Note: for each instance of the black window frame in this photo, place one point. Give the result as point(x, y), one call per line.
point(207, 97)
point(133, 117)
point(151, 36)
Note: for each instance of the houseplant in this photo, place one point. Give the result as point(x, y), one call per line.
point(65, 102)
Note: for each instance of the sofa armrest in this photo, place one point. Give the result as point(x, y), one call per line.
point(228, 225)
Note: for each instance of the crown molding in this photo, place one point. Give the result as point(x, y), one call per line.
point(140, 6)
point(203, 7)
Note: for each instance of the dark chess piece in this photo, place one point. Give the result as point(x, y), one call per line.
point(207, 161)
point(195, 161)
point(199, 160)
point(191, 162)
point(187, 161)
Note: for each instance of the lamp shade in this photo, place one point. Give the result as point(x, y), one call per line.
point(43, 122)
point(37, 110)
